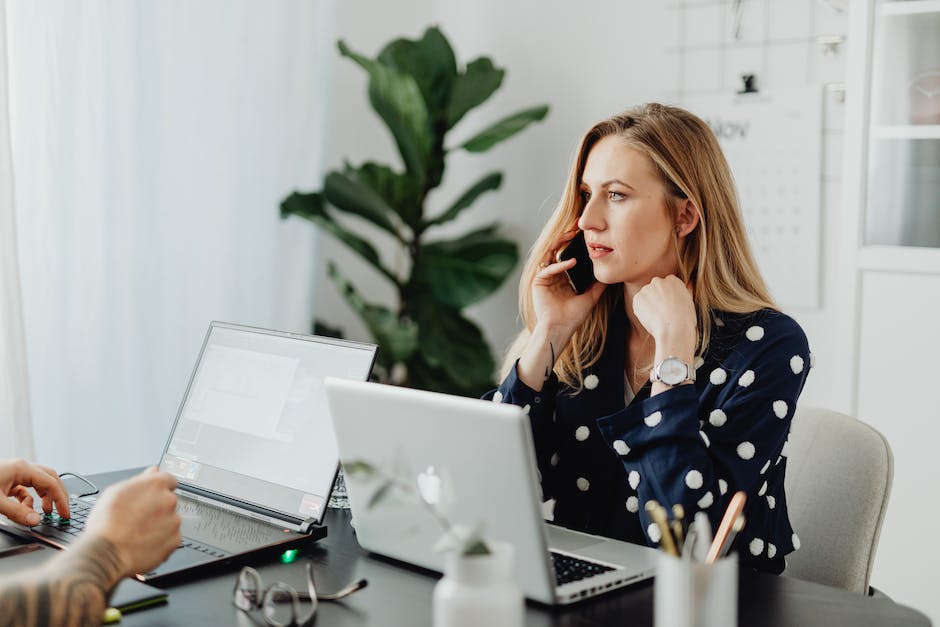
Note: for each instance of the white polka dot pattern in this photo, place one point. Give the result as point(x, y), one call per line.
point(699, 362)
point(653, 419)
point(754, 333)
point(718, 376)
point(746, 379)
point(693, 479)
point(706, 501)
point(771, 550)
point(771, 501)
point(554, 460)
point(581, 433)
point(796, 364)
point(722, 486)
point(796, 542)
point(746, 450)
point(591, 381)
point(653, 532)
point(705, 439)
point(765, 467)
point(583, 484)
point(763, 489)
point(717, 418)
point(780, 409)
point(633, 479)
point(498, 397)
point(633, 505)
point(621, 447)
point(756, 547)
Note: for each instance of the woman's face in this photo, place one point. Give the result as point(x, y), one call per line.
point(628, 230)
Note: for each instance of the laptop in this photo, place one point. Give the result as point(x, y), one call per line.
point(476, 459)
point(252, 447)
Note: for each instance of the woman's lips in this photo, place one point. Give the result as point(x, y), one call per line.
point(597, 251)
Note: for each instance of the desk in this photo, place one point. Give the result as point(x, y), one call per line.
point(399, 596)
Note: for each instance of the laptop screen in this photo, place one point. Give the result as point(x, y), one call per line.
point(254, 423)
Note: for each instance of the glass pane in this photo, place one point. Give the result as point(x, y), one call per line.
point(904, 193)
point(905, 84)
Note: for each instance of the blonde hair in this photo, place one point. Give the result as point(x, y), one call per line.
point(715, 256)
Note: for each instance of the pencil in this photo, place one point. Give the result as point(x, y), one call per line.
point(658, 513)
point(724, 528)
point(678, 514)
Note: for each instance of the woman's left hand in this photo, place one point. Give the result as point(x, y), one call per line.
point(666, 310)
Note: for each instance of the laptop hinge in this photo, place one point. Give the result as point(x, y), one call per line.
point(256, 513)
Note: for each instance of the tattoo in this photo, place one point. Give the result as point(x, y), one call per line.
point(73, 588)
point(551, 364)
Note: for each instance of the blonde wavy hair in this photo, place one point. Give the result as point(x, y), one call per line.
point(715, 256)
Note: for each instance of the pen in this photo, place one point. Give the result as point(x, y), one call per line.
point(724, 529)
point(703, 536)
point(111, 615)
point(735, 528)
point(658, 513)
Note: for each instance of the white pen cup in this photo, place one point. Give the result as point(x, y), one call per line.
point(687, 593)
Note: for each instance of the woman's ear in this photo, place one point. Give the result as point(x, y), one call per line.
point(686, 218)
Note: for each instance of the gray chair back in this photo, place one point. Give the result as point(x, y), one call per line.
point(839, 473)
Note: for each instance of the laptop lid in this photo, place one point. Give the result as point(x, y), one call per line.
point(253, 428)
point(477, 454)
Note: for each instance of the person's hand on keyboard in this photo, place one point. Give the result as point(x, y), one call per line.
point(16, 475)
point(138, 516)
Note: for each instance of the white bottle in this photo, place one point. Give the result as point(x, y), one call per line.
point(479, 590)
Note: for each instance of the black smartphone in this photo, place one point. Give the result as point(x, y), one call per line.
point(581, 276)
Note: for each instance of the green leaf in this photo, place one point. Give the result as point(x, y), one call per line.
point(463, 271)
point(504, 129)
point(480, 80)
point(359, 468)
point(490, 182)
point(448, 341)
point(379, 495)
point(430, 61)
point(397, 338)
point(401, 191)
point(397, 99)
point(355, 197)
point(325, 329)
point(312, 207)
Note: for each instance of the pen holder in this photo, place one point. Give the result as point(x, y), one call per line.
point(687, 593)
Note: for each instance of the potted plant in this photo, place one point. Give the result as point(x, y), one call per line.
point(420, 93)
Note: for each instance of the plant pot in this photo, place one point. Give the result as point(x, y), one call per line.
point(479, 590)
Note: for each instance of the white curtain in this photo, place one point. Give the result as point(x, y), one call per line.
point(15, 427)
point(152, 143)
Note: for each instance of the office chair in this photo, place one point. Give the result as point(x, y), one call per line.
point(839, 473)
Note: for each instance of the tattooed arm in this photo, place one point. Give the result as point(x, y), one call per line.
point(133, 528)
point(71, 589)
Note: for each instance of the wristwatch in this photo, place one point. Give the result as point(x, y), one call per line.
point(672, 371)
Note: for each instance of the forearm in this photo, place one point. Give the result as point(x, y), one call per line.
point(73, 588)
point(538, 359)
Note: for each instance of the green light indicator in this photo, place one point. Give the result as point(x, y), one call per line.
point(289, 556)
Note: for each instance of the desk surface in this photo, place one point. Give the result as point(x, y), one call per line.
point(398, 595)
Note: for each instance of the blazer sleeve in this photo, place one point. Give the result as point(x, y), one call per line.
point(678, 449)
point(540, 408)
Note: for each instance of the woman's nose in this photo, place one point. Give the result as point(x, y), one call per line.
point(590, 219)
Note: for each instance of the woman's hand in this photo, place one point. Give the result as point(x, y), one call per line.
point(666, 310)
point(558, 312)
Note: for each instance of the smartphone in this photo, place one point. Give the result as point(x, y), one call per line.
point(581, 276)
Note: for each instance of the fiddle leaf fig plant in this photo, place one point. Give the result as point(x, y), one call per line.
point(420, 93)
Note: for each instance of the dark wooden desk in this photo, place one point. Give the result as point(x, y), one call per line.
point(400, 596)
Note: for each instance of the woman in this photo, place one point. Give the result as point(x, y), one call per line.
point(678, 299)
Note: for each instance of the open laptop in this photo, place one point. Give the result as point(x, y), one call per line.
point(252, 446)
point(477, 457)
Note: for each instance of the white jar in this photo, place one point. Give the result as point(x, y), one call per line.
point(479, 590)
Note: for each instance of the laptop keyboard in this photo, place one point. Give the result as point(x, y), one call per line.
point(568, 568)
point(53, 525)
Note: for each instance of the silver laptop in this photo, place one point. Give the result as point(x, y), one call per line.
point(478, 455)
point(252, 446)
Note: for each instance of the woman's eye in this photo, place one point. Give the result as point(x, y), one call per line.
point(615, 195)
point(585, 196)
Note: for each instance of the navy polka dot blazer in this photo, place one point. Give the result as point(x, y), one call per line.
point(695, 445)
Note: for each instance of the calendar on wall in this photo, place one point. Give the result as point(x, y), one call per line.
point(773, 144)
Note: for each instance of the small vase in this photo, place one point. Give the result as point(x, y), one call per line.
point(479, 590)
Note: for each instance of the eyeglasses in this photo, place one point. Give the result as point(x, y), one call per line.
point(248, 595)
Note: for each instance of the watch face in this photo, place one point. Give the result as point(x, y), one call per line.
point(673, 371)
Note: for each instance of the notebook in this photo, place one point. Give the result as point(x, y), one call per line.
point(252, 447)
point(476, 457)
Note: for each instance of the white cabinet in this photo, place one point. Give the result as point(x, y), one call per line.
point(890, 252)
